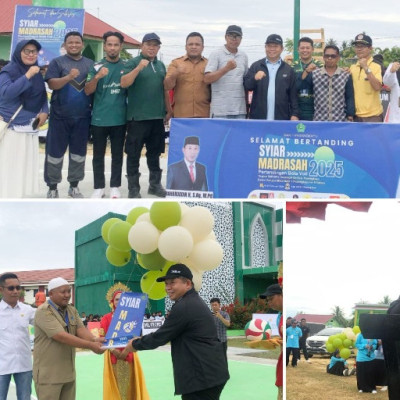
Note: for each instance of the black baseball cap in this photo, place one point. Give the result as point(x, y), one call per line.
point(176, 271)
point(234, 29)
point(151, 36)
point(363, 39)
point(271, 291)
point(274, 38)
point(191, 140)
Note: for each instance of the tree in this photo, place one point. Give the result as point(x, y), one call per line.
point(339, 317)
point(386, 300)
point(331, 42)
point(125, 55)
point(289, 47)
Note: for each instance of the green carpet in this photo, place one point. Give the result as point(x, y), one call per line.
point(248, 381)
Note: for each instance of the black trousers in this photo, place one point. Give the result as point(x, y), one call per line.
point(207, 394)
point(366, 376)
point(140, 133)
point(295, 351)
point(303, 347)
point(117, 140)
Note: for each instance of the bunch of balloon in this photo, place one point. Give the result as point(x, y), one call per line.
point(166, 234)
point(343, 342)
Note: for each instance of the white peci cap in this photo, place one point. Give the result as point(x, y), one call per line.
point(57, 282)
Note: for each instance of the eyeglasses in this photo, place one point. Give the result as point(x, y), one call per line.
point(12, 288)
point(333, 56)
point(234, 36)
point(360, 46)
point(29, 51)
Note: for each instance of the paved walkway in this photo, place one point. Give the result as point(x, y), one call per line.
point(86, 186)
point(235, 354)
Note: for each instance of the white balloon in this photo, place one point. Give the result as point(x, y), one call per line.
point(184, 208)
point(197, 279)
point(199, 221)
point(143, 237)
point(175, 243)
point(143, 217)
point(206, 255)
point(211, 236)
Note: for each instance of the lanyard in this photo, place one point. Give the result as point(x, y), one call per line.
point(64, 316)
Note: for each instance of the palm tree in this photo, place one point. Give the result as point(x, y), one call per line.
point(386, 300)
point(339, 316)
point(289, 47)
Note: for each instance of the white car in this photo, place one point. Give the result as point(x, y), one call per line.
point(316, 344)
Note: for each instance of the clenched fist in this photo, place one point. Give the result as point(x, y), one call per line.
point(32, 71)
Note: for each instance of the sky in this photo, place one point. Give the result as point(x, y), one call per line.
point(40, 234)
point(348, 258)
point(174, 19)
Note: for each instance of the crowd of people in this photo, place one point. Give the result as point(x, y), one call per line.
point(128, 102)
point(370, 368)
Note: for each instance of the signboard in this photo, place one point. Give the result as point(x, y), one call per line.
point(289, 159)
point(150, 326)
point(48, 26)
point(127, 320)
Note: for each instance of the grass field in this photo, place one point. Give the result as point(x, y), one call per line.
point(311, 382)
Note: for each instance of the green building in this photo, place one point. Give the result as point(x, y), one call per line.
point(363, 308)
point(249, 232)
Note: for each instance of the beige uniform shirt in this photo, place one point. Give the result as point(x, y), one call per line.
point(192, 96)
point(54, 362)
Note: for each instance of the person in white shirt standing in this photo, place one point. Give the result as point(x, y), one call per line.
point(392, 79)
point(15, 348)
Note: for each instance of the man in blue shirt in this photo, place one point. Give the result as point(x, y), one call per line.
point(69, 116)
point(293, 334)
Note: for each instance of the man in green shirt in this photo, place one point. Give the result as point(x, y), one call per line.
point(302, 67)
point(148, 107)
point(109, 114)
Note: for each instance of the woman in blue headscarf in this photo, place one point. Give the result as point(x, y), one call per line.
point(21, 84)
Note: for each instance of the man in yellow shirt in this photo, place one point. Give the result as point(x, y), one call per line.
point(367, 82)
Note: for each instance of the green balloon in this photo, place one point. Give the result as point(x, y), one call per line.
point(106, 227)
point(342, 336)
point(347, 343)
point(330, 348)
point(164, 214)
point(330, 339)
point(356, 329)
point(135, 213)
point(118, 236)
point(148, 284)
point(117, 258)
point(337, 343)
point(345, 353)
point(153, 261)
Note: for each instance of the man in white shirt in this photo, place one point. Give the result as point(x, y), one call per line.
point(15, 345)
point(225, 70)
point(392, 79)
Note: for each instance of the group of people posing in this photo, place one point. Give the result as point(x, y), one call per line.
point(128, 102)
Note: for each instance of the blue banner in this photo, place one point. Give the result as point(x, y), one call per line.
point(127, 320)
point(283, 159)
point(48, 26)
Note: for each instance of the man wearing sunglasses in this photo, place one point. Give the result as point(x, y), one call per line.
point(15, 345)
point(225, 70)
point(333, 89)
